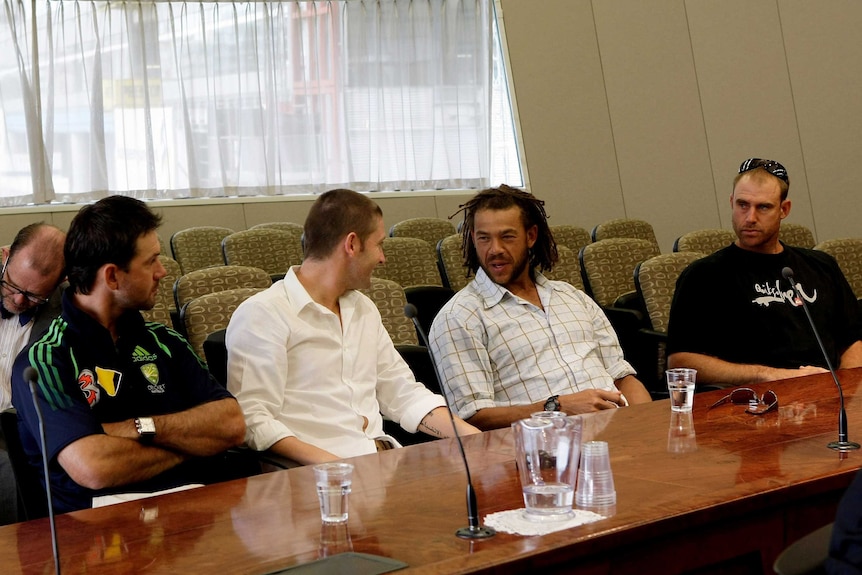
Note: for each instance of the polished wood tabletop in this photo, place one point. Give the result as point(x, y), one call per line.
point(722, 489)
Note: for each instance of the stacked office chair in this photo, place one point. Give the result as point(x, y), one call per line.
point(450, 261)
point(432, 230)
point(704, 241)
point(209, 313)
point(165, 311)
point(848, 253)
point(806, 556)
point(626, 228)
point(655, 280)
point(199, 247)
point(284, 226)
point(211, 280)
point(573, 237)
point(269, 249)
point(567, 268)
point(796, 235)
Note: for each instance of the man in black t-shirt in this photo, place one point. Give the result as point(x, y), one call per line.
point(734, 317)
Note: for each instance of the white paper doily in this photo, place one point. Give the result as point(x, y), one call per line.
point(514, 521)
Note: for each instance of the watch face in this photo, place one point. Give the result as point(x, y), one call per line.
point(553, 404)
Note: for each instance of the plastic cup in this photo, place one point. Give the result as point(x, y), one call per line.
point(680, 387)
point(595, 479)
point(333, 486)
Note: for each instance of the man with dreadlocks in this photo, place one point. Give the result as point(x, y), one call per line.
point(513, 342)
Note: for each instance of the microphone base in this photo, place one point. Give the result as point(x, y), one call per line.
point(842, 445)
point(480, 532)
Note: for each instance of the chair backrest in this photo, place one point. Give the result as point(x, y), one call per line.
point(409, 262)
point(211, 312)
point(848, 253)
point(211, 280)
point(199, 247)
point(265, 248)
point(705, 241)
point(626, 228)
point(432, 230)
point(655, 280)
point(284, 226)
point(608, 267)
point(31, 493)
point(573, 237)
point(390, 300)
point(796, 235)
point(165, 305)
point(450, 262)
point(567, 268)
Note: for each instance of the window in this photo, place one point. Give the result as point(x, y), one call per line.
point(190, 99)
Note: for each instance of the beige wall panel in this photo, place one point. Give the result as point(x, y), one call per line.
point(284, 211)
point(11, 223)
point(824, 56)
point(396, 209)
point(748, 106)
point(229, 215)
point(449, 204)
point(656, 116)
point(563, 109)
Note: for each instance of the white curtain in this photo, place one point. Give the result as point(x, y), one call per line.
point(187, 99)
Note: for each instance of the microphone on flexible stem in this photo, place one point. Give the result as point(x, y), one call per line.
point(32, 379)
point(843, 443)
point(474, 530)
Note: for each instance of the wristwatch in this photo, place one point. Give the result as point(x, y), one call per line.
point(552, 403)
point(146, 429)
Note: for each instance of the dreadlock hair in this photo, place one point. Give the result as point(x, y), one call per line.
point(543, 254)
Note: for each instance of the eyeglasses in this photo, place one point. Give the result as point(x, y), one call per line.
point(756, 405)
point(7, 285)
point(770, 166)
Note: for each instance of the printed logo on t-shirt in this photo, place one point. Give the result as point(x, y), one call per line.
point(87, 383)
point(109, 380)
point(774, 294)
point(151, 374)
point(140, 354)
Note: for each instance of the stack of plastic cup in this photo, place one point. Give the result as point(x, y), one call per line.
point(595, 479)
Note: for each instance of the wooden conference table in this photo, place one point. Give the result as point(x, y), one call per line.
point(729, 496)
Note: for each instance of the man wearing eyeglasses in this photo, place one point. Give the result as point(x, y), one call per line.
point(29, 299)
point(735, 318)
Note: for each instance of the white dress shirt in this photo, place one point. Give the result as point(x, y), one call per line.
point(297, 370)
point(498, 350)
point(13, 338)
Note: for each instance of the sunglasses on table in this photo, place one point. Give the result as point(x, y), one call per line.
point(745, 395)
point(770, 166)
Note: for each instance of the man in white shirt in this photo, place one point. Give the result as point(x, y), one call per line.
point(513, 342)
point(309, 359)
point(29, 299)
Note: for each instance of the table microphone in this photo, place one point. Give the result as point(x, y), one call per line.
point(843, 444)
point(474, 530)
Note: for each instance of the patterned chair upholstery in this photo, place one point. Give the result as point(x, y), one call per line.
point(284, 226)
point(655, 280)
point(199, 247)
point(796, 235)
point(848, 253)
point(409, 262)
point(390, 300)
point(432, 230)
point(450, 262)
point(626, 228)
point(165, 308)
point(705, 241)
point(568, 267)
point(573, 237)
point(211, 280)
point(607, 267)
point(265, 248)
point(209, 313)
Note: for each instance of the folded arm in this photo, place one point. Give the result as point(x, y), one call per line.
point(711, 370)
point(438, 424)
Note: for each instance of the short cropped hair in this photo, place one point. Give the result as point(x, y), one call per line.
point(106, 232)
point(543, 253)
point(47, 259)
point(335, 214)
point(760, 176)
